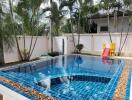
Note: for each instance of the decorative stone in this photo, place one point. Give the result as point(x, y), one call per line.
point(34, 93)
point(122, 84)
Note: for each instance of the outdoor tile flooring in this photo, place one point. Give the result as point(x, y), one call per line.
point(24, 89)
point(121, 88)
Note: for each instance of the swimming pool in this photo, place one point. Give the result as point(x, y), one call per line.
point(70, 77)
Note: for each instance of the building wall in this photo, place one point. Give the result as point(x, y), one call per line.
point(104, 22)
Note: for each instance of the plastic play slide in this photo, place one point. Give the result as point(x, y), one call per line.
point(106, 53)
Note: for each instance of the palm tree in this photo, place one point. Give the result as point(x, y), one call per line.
point(70, 5)
point(55, 20)
point(85, 10)
point(28, 14)
point(118, 7)
point(6, 37)
point(107, 5)
point(127, 4)
point(56, 16)
point(121, 33)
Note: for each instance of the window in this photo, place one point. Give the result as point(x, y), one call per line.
point(104, 29)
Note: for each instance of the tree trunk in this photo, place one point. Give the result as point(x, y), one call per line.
point(109, 26)
point(1, 52)
point(51, 43)
point(11, 13)
point(119, 51)
point(24, 51)
point(72, 32)
point(18, 48)
point(33, 47)
point(31, 42)
point(126, 37)
point(79, 28)
point(51, 37)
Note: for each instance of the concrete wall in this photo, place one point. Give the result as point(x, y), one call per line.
point(91, 42)
point(40, 48)
point(95, 42)
point(104, 22)
point(58, 44)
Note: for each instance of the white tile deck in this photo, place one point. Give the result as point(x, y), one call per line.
point(10, 95)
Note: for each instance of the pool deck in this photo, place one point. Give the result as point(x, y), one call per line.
point(31, 92)
point(8, 94)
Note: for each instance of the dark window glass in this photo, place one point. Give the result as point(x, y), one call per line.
point(104, 28)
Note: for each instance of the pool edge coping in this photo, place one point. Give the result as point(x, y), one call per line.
point(121, 88)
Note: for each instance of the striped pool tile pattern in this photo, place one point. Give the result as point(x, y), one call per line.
point(122, 85)
point(35, 94)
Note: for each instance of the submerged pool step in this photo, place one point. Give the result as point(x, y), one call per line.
point(80, 89)
point(59, 80)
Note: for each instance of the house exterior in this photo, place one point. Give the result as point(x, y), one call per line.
point(118, 21)
point(121, 25)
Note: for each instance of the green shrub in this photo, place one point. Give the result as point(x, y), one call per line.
point(55, 53)
point(79, 47)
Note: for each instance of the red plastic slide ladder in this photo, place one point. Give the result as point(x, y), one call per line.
point(106, 53)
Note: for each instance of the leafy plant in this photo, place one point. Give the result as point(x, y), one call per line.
point(25, 20)
point(25, 54)
point(55, 53)
point(79, 47)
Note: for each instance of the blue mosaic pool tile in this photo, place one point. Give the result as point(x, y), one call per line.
point(80, 83)
point(113, 83)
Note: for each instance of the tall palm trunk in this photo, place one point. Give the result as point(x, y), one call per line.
point(1, 51)
point(109, 25)
point(24, 52)
point(119, 52)
point(24, 40)
point(79, 28)
point(33, 48)
point(17, 43)
point(73, 39)
point(84, 25)
point(31, 42)
point(51, 38)
point(126, 36)
point(18, 48)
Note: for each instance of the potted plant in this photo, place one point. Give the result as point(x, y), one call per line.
point(79, 47)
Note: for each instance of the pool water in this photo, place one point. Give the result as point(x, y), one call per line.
point(71, 77)
point(79, 87)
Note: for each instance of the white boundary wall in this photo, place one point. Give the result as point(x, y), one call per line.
point(94, 42)
point(40, 48)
